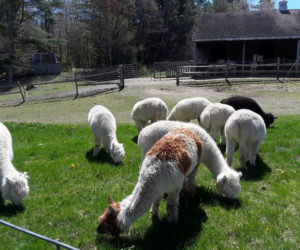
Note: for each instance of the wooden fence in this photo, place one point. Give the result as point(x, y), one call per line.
point(277, 70)
point(73, 85)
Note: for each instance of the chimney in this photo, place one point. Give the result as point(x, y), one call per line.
point(283, 6)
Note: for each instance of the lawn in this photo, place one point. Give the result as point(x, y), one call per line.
point(69, 190)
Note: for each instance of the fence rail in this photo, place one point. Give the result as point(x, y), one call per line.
point(41, 237)
point(230, 70)
point(78, 83)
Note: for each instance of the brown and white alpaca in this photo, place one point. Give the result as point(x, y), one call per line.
point(171, 161)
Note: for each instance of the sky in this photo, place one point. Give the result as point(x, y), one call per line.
point(292, 4)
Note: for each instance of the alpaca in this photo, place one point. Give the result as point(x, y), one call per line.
point(243, 102)
point(213, 119)
point(172, 159)
point(188, 109)
point(248, 129)
point(14, 184)
point(150, 109)
point(227, 179)
point(103, 126)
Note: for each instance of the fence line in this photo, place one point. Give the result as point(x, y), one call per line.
point(73, 85)
point(233, 70)
point(39, 236)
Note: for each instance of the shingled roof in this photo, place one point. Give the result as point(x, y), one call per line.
point(251, 25)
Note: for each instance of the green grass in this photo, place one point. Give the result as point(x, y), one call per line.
point(69, 190)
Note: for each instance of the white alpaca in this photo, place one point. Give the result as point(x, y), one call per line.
point(103, 125)
point(14, 184)
point(248, 129)
point(150, 109)
point(213, 119)
point(173, 158)
point(188, 109)
point(227, 179)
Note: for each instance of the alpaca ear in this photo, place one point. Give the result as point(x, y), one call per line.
point(25, 175)
point(110, 200)
point(240, 174)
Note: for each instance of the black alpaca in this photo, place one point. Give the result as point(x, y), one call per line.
point(242, 102)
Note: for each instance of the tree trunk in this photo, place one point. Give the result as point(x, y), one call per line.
point(11, 51)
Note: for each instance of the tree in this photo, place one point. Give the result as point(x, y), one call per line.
point(265, 5)
point(16, 19)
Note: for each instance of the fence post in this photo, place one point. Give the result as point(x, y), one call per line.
point(177, 75)
point(227, 72)
point(121, 76)
point(22, 94)
point(76, 86)
point(278, 68)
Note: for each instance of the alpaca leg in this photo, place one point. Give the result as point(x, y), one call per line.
point(223, 139)
point(97, 141)
point(214, 134)
point(252, 152)
point(243, 154)
point(172, 207)
point(154, 209)
point(190, 185)
point(230, 147)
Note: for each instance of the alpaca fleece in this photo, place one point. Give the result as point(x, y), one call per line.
point(214, 117)
point(14, 184)
point(103, 126)
point(228, 180)
point(248, 129)
point(150, 109)
point(243, 102)
point(188, 109)
point(159, 174)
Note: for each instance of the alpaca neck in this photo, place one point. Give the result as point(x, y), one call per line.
point(214, 160)
point(136, 204)
point(7, 168)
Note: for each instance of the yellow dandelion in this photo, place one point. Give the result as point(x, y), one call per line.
point(267, 229)
point(73, 164)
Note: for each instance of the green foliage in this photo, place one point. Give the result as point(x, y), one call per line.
point(69, 190)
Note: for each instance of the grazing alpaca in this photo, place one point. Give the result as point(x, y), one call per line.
point(150, 109)
point(248, 129)
point(227, 179)
point(188, 109)
point(213, 119)
point(14, 184)
point(243, 102)
point(174, 158)
point(103, 125)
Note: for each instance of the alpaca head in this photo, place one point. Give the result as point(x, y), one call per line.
point(228, 183)
point(108, 220)
point(117, 152)
point(269, 119)
point(15, 188)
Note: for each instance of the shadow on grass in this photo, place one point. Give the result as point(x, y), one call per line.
point(102, 157)
point(9, 209)
point(161, 235)
point(135, 139)
point(222, 147)
point(256, 172)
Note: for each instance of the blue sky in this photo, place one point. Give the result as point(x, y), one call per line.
point(292, 4)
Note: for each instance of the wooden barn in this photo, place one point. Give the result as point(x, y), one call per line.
point(247, 37)
point(44, 61)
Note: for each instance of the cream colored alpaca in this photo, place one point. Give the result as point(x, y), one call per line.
point(172, 159)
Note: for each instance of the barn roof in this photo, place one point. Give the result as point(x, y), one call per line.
point(252, 25)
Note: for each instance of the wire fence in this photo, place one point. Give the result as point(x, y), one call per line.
point(78, 83)
point(38, 236)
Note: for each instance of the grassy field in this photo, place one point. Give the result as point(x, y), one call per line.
point(69, 189)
